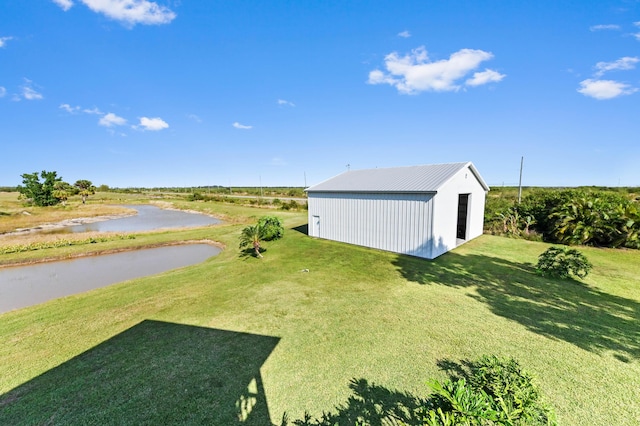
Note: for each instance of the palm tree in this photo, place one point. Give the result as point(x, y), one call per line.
point(253, 235)
point(61, 191)
point(85, 188)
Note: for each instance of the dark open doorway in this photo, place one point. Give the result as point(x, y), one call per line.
point(463, 210)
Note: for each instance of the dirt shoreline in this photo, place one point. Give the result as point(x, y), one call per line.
point(94, 219)
point(65, 223)
point(111, 251)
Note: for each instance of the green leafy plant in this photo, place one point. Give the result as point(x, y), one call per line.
point(268, 228)
point(40, 193)
point(488, 391)
point(253, 236)
point(273, 228)
point(562, 262)
point(511, 387)
point(494, 391)
point(585, 216)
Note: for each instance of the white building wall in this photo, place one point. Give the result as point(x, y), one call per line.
point(395, 222)
point(446, 211)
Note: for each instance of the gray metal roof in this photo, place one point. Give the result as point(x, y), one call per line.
point(426, 178)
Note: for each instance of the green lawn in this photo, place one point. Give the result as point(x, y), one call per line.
point(237, 337)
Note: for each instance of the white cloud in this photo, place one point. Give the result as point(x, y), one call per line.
point(110, 120)
point(194, 117)
point(605, 89)
point(64, 4)
point(625, 63)
point(241, 126)
point(153, 124)
point(4, 40)
point(404, 34)
point(637, 35)
point(76, 109)
point(132, 11)
point(602, 27)
point(287, 103)
point(484, 77)
point(94, 110)
point(29, 93)
point(69, 108)
point(3, 92)
point(414, 73)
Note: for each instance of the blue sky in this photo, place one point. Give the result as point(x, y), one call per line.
point(245, 93)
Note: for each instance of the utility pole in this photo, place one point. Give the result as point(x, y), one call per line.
point(520, 182)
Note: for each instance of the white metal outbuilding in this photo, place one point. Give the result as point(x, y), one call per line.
point(422, 211)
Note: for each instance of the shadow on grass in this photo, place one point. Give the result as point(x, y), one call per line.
point(371, 404)
point(153, 373)
point(566, 310)
point(303, 229)
point(250, 252)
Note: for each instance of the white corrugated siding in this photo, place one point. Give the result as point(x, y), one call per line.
point(395, 222)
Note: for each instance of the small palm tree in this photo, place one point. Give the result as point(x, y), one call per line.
point(253, 235)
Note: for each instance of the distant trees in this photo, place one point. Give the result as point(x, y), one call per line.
point(85, 188)
point(51, 190)
point(40, 193)
point(62, 191)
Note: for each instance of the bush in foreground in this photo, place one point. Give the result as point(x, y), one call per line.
point(562, 262)
point(489, 391)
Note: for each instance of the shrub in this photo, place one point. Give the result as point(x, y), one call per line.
point(273, 228)
point(196, 196)
point(587, 216)
point(498, 391)
point(489, 391)
point(562, 262)
point(505, 381)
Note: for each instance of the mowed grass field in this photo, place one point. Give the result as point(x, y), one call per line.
point(240, 340)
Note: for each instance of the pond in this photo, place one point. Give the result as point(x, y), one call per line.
point(24, 286)
point(148, 218)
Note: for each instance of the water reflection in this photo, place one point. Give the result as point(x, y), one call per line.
point(148, 218)
point(29, 285)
